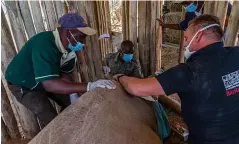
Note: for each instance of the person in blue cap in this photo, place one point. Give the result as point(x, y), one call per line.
point(42, 68)
point(123, 61)
point(193, 10)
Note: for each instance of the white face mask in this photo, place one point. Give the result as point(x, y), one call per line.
point(187, 52)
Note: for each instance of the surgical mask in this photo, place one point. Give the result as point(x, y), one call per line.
point(187, 52)
point(191, 8)
point(78, 47)
point(127, 57)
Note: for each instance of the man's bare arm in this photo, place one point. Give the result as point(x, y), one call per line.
point(141, 87)
point(64, 87)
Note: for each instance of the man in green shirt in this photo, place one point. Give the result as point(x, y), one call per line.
point(41, 69)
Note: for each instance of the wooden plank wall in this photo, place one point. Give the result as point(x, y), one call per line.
point(148, 31)
point(22, 114)
point(104, 26)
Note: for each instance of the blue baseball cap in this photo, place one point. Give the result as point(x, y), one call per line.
point(72, 20)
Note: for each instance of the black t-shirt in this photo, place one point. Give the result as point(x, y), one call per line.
point(208, 86)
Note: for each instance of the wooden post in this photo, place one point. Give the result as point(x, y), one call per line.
point(96, 54)
point(125, 20)
point(159, 36)
point(181, 49)
point(233, 25)
point(170, 103)
point(108, 25)
point(26, 118)
point(36, 15)
point(8, 115)
point(83, 67)
point(50, 15)
point(142, 36)
point(4, 133)
point(16, 23)
point(133, 26)
point(152, 43)
point(222, 12)
point(148, 37)
point(88, 49)
point(27, 18)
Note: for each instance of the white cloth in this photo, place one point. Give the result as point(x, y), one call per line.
point(106, 69)
point(101, 84)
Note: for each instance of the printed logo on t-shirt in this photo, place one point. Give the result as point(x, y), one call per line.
point(231, 83)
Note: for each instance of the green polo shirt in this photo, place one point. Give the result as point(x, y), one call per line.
point(37, 61)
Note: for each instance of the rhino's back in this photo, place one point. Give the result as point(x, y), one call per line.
point(102, 117)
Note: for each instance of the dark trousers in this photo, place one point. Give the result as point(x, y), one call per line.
point(37, 101)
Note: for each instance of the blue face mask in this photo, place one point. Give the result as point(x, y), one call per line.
point(127, 57)
point(191, 8)
point(78, 47)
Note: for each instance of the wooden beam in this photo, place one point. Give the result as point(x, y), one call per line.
point(170, 103)
point(147, 39)
point(142, 36)
point(152, 43)
point(108, 25)
point(222, 12)
point(182, 49)
point(27, 18)
point(36, 15)
point(125, 19)
point(16, 23)
point(81, 10)
point(233, 25)
point(96, 54)
point(159, 36)
point(8, 115)
point(133, 26)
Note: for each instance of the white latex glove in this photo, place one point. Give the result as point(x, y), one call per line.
point(73, 97)
point(106, 69)
point(101, 84)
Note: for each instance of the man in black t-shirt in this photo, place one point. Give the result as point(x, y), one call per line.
point(207, 84)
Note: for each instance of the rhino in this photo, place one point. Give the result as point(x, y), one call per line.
point(103, 116)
